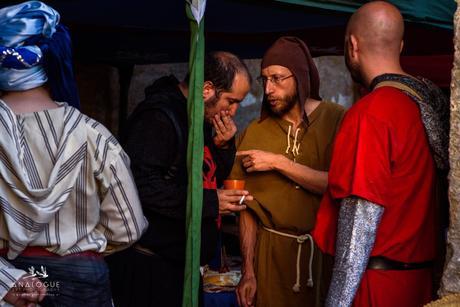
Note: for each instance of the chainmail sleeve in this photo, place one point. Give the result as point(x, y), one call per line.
point(356, 232)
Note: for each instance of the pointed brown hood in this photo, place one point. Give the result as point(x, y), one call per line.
point(292, 53)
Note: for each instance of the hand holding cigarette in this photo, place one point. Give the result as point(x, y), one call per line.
point(232, 200)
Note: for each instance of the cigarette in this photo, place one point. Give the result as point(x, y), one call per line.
point(242, 199)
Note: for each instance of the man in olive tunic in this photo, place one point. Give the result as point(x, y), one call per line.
point(284, 158)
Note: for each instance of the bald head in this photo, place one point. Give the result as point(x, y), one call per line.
point(379, 27)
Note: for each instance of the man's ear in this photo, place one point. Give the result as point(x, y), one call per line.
point(208, 90)
point(353, 48)
point(401, 47)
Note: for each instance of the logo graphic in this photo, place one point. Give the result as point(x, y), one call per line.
point(34, 273)
point(37, 278)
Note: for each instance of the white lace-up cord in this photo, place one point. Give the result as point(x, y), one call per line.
point(300, 240)
point(288, 139)
point(296, 147)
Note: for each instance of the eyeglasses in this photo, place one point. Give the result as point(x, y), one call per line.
point(275, 79)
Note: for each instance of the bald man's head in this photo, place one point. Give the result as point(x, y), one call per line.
point(379, 28)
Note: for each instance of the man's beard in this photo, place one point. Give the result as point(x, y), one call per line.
point(285, 104)
point(209, 105)
point(353, 69)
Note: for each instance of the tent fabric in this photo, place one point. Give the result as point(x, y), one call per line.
point(437, 68)
point(147, 32)
point(438, 13)
point(195, 11)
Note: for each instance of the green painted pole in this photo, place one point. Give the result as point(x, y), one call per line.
point(194, 162)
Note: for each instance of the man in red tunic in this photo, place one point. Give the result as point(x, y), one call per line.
point(378, 216)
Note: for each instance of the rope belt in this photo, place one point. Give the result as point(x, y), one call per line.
point(300, 240)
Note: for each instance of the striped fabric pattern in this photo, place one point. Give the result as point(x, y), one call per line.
point(65, 185)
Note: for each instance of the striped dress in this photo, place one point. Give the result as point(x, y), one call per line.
point(65, 184)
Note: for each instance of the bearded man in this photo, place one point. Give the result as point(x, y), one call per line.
point(284, 158)
point(151, 273)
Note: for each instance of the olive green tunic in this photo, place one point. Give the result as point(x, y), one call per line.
point(282, 205)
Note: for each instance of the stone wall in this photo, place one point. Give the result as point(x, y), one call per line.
point(336, 84)
point(451, 278)
point(99, 88)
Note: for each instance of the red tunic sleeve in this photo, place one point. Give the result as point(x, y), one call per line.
point(361, 164)
point(381, 154)
point(360, 167)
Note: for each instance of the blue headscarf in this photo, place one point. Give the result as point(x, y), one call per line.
point(35, 49)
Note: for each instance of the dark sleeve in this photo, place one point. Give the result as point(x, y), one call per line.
point(210, 204)
point(151, 143)
point(224, 159)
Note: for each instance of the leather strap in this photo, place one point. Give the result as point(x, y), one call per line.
point(382, 263)
point(143, 250)
point(399, 86)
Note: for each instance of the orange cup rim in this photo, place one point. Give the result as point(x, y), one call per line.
point(234, 184)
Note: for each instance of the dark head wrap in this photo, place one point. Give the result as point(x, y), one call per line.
point(292, 53)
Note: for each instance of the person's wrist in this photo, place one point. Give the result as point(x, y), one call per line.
point(224, 144)
point(278, 162)
point(248, 271)
point(221, 144)
point(217, 142)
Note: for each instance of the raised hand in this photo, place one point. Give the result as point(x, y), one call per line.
point(225, 128)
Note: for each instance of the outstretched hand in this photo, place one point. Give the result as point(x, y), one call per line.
point(259, 160)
